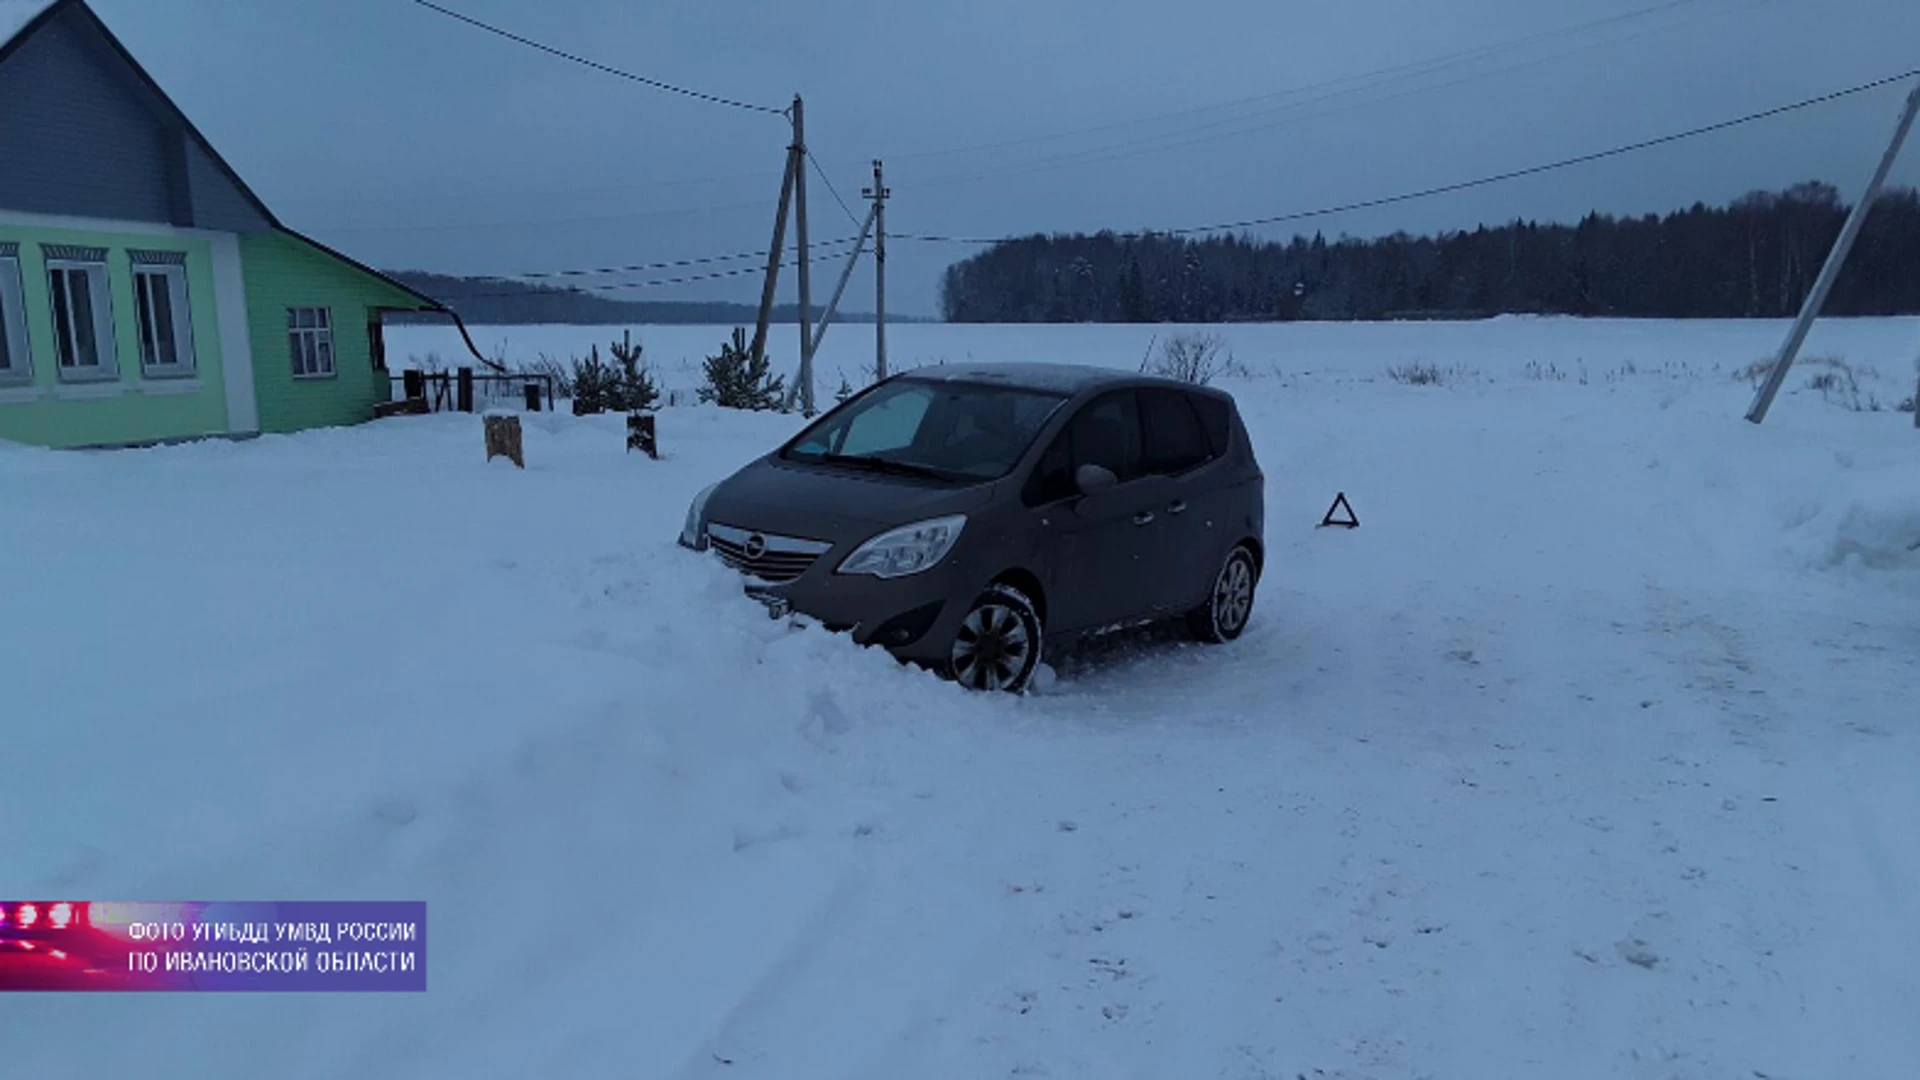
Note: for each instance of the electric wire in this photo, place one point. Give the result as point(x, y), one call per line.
point(609, 69)
point(1360, 81)
point(1463, 185)
point(617, 286)
point(669, 264)
point(834, 191)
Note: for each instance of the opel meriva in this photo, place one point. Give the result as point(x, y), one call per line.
point(966, 517)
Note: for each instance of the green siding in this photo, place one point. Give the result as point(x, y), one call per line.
point(139, 409)
point(285, 272)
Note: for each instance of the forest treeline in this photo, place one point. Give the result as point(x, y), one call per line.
point(1754, 258)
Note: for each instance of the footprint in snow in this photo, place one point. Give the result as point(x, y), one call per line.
point(1638, 953)
point(396, 811)
point(750, 838)
point(824, 715)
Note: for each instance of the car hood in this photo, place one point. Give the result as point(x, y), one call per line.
point(822, 502)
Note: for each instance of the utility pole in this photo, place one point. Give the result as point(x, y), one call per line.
point(800, 235)
point(774, 255)
point(793, 197)
point(846, 273)
point(1837, 258)
point(878, 193)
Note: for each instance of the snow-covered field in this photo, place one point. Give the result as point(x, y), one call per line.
point(1591, 753)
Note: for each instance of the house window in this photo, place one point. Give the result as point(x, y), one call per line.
point(160, 297)
point(310, 336)
point(14, 360)
point(82, 312)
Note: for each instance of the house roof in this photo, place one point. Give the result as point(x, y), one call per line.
point(16, 14)
point(20, 19)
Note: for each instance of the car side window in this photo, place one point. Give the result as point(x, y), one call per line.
point(1105, 432)
point(1216, 417)
point(1052, 478)
point(1175, 441)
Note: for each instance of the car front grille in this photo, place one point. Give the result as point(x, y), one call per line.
point(765, 556)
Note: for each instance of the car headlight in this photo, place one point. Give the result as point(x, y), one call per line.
point(694, 533)
point(908, 549)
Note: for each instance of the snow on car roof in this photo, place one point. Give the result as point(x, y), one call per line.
point(1061, 378)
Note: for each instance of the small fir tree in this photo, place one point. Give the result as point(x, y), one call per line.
point(637, 391)
point(625, 385)
point(593, 382)
point(737, 380)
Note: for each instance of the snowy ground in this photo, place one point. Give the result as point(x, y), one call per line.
point(1590, 754)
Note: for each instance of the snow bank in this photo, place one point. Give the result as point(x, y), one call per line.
point(1582, 756)
point(1852, 510)
point(1882, 532)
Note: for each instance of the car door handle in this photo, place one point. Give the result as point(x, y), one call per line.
point(1143, 517)
point(1178, 506)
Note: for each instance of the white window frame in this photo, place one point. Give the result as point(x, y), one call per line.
point(16, 366)
point(92, 268)
point(163, 270)
point(311, 346)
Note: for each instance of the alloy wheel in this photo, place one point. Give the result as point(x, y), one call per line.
point(1233, 595)
point(994, 648)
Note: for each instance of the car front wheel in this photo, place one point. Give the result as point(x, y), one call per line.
point(1230, 605)
point(998, 644)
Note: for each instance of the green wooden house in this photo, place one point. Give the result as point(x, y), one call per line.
point(146, 294)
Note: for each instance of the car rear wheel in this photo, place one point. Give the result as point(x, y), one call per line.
point(998, 644)
point(1230, 605)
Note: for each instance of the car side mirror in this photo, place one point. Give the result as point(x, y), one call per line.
point(1093, 479)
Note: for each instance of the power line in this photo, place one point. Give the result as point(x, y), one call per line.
point(831, 190)
point(1355, 83)
point(1415, 67)
point(669, 264)
point(596, 65)
point(1484, 181)
point(1267, 119)
point(686, 279)
point(1329, 211)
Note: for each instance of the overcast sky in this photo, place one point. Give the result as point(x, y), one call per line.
point(416, 142)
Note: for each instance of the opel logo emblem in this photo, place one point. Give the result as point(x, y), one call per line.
point(756, 546)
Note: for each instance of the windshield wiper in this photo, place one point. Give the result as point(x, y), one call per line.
point(887, 465)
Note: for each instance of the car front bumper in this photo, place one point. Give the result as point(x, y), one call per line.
point(914, 617)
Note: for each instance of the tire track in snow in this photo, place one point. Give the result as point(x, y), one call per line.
point(874, 976)
point(1814, 802)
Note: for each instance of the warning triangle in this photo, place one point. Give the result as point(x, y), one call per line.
point(1339, 503)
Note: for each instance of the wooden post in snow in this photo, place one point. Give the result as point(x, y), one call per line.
point(503, 438)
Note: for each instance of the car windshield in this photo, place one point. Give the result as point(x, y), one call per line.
point(940, 430)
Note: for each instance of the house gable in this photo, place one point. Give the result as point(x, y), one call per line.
point(84, 132)
point(95, 157)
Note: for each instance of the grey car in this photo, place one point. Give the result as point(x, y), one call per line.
point(967, 518)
